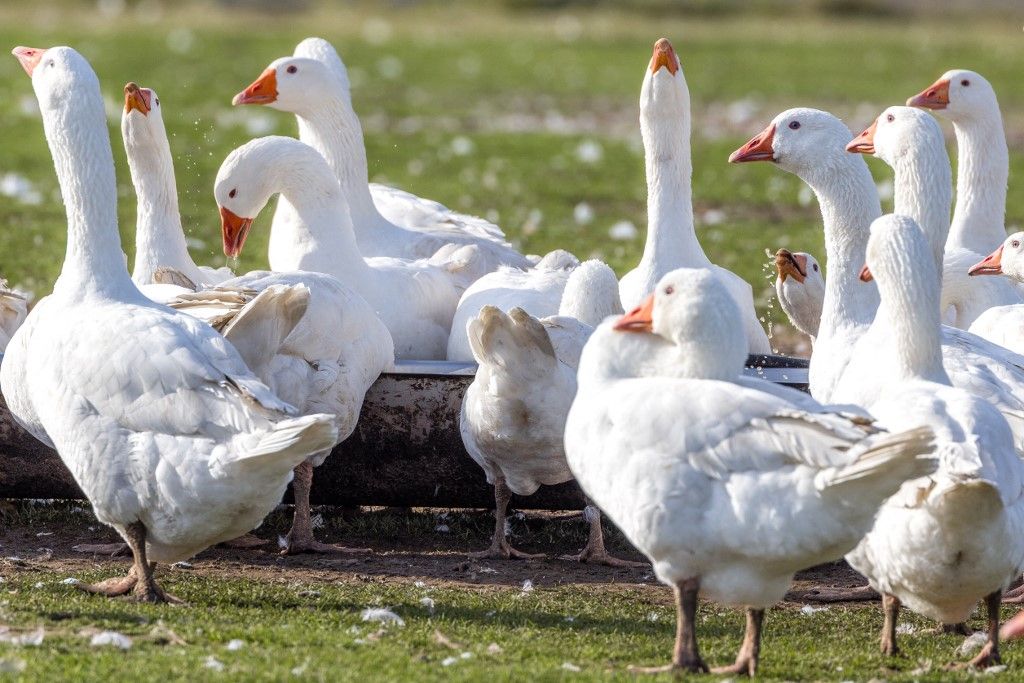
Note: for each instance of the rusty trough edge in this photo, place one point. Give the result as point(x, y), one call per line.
point(406, 450)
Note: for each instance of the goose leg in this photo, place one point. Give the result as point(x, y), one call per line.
point(750, 650)
point(989, 654)
point(891, 608)
point(300, 537)
point(594, 552)
point(146, 589)
point(686, 656)
point(500, 547)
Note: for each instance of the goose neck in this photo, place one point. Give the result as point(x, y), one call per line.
point(923, 191)
point(983, 166)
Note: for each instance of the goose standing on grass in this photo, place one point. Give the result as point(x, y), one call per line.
point(947, 540)
point(689, 482)
point(983, 162)
point(671, 240)
point(415, 299)
point(159, 238)
point(513, 414)
point(537, 291)
point(329, 125)
point(811, 144)
point(800, 286)
point(1003, 325)
point(326, 364)
point(175, 442)
point(911, 142)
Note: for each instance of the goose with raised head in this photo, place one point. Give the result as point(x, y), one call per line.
point(415, 299)
point(911, 142)
point(326, 364)
point(811, 144)
point(513, 414)
point(688, 481)
point(159, 237)
point(950, 539)
point(329, 125)
point(671, 239)
point(983, 162)
point(175, 442)
point(800, 286)
point(537, 291)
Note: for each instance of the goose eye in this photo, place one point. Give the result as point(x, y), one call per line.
point(1015, 244)
point(815, 267)
point(965, 82)
point(157, 100)
point(794, 125)
point(292, 69)
point(890, 118)
point(50, 63)
point(670, 289)
point(233, 193)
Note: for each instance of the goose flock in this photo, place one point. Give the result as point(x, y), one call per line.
point(184, 399)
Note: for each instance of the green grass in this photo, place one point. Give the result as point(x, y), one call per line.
point(313, 630)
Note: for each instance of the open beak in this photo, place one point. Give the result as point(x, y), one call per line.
point(29, 57)
point(639, 319)
point(760, 148)
point(865, 274)
point(234, 229)
point(135, 98)
point(935, 96)
point(664, 56)
point(865, 142)
point(991, 265)
point(262, 91)
point(790, 265)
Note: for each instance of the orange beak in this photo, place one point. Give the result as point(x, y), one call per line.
point(135, 98)
point(760, 148)
point(262, 91)
point(792, 265)
point(29, 57)
point(935, 96)
point(664, 56)
point(990, 265)
point(234, 229)
point(865, 274)
point(640, 319)
point(865, 142)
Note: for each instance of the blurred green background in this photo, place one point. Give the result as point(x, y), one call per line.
point(522, 111)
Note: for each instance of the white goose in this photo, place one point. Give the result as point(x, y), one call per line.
point(983, 162)
point(513, 414)
point(327, 362)
point(811, 144)
point(537, 290)
point(1003, 325)
point(946, 540)
point(175, 442)
point(911, 142)
point(328, 123)
point(688, 481)
point(415, 299)
point(159, 238)
point(671, 240)
point(800, 286)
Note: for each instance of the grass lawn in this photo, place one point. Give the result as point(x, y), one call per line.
point(529, 119)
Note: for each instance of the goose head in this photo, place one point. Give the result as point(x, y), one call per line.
point(664, 96)
point(142, 122)
point(959, 95)
point(323, 52)
point(897, 134)
point(591, 293)
point(290, 84)
point(800, 286)
point(61, 77)
point(693, 311)
point(257, 170)
point(802, 141)
point(1008, 259)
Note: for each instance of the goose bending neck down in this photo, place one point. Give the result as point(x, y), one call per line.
point(415, 299)
point(176, 443)
point(671, 238)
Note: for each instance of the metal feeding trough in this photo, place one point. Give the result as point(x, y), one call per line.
point(406, 451)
